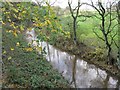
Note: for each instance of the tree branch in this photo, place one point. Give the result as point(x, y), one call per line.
point(101, 8)
point(71, 11)
point(81, 20)
point(78, 9)
point(110, 22)
point(115, 44)
point(53, 3)
point(112, 38)
point(92, 5)
point(98, 35)
point(110, 30)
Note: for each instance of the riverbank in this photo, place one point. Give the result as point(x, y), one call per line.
point(23, 67)
point(86, 53)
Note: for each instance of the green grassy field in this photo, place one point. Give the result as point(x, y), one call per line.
point(85, 32)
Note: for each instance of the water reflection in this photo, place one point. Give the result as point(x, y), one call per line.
point(78, 72)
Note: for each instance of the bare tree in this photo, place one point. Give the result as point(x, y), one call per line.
point(74, 13)
point(105, 14)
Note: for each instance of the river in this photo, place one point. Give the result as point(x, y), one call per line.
point(79, 73)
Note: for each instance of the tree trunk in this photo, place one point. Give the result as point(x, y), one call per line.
point(74, 29)
point(110, 59)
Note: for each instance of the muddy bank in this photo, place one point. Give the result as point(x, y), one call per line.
point(86, 53)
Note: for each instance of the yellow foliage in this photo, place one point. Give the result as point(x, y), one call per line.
point(12, 49)
point(3, 23)
point(14, 15)
point(24, 12)
point(17, 44)
point(36, 19)
point(9, 3)
point(7, 13)
point(67, 34)
point(48, 21)
point(35, 24)
point(15, 10)
point(19, 18)
point(39, 48)
point(12, 25)
point(9, 20)
point(15, 33)
point(9, 57)
point(41, 24)
point(9, 31)
point(21, 28)
point(4, 52)
point(53, 30)
point(28, 49)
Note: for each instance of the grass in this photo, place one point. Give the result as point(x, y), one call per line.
point(85, 32)
point(26, 68)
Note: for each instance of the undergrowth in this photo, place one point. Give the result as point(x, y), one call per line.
point(23, 68)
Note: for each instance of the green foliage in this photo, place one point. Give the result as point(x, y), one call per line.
point(27, 69)
point(24, 15)
point(85, 32)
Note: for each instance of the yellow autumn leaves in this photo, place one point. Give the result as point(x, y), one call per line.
point(12, 49)
point(15, 10)
point(53, 30)
point(4, 52)
point(40, 24)
point(13, 32)
point(9, 57)
point(17, 44)
point(28, 49)
point(66, 33)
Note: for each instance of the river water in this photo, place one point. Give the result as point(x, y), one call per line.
point(79, 73)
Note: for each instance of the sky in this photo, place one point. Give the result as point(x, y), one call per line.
point(64, 3)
